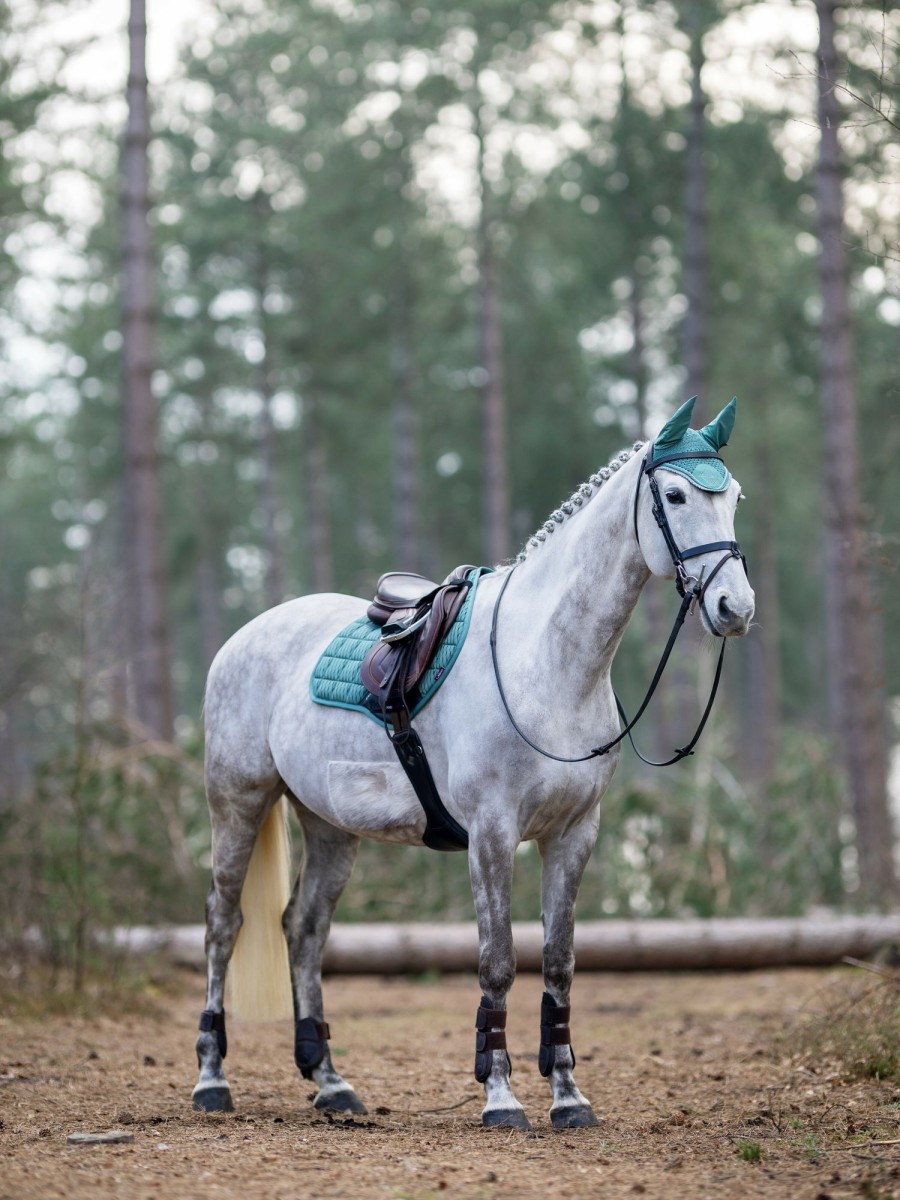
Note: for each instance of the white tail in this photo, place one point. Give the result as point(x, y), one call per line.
point(259, 979)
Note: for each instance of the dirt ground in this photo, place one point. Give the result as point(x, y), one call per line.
point(687, 1073)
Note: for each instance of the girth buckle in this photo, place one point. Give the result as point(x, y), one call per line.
point(399, 723)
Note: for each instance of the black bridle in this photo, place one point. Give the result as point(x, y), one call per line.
point(691, 588)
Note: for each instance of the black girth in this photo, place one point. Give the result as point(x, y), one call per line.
point(692, 590)
point(442, 830)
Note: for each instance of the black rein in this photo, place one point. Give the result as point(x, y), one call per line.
point(692, 590)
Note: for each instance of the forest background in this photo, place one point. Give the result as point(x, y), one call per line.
point(376, 285)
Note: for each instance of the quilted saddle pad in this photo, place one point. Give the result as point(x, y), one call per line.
point(335, 679)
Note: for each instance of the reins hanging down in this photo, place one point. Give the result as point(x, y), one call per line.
point(692, 590)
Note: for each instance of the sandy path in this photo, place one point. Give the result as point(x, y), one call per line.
point(681, 1068)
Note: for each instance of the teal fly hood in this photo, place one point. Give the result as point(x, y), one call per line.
point(710, 474)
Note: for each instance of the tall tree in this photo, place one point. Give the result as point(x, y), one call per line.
point(857, 712)
point(143, 534)
point(268, 464)
point(763, 665)
point(405, 431)
point(490, 340)
point(696, 20)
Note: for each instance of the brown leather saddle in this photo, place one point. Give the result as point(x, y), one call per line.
point(415, 614)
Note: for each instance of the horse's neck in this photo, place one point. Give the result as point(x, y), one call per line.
point(577, 592)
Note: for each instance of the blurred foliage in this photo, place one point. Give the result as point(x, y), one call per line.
point(692, 844)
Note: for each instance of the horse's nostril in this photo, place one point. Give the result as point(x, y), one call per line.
point(724, 611)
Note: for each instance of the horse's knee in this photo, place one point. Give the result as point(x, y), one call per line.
point(496, 974)
point(558, 972)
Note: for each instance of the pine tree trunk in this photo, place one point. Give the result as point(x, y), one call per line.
point(496, 488)
point(406, 490)
point(696, 257)
point(636, 360)
point(274, 556)
point(206, 568)
point(660, 713)
point(274, 582)
point(317, 477)
point(148, 633)
point(852, 654)
point(763, 659)
point(208, 606)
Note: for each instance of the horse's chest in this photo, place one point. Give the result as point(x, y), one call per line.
point(566, 798)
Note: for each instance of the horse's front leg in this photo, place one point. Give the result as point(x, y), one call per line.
point(491, 855)
point(564, 860)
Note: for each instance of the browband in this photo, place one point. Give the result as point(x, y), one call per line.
point(676, 455)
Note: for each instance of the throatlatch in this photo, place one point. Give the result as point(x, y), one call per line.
point(487, 1039)
point(554, 1032)
point(310, 1044)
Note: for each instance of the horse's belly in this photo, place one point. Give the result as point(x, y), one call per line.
point(373, 799)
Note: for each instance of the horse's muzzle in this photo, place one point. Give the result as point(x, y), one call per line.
point(728, 613)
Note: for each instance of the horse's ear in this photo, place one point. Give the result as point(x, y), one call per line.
point(718, 431)
point(675, 428)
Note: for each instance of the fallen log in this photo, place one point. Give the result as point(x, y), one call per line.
point(614, 945)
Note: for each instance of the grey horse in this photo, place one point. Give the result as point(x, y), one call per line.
point(567, 600)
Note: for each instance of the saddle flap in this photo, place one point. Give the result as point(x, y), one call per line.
point(377, 669)
point(444, 612)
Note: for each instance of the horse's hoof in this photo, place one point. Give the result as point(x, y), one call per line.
point(575, 1116)
point(345, 1101)
point(213, 1099)
point(505, 1118)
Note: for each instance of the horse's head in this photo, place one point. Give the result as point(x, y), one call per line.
point(684, 519)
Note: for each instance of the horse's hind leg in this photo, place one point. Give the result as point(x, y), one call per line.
point(328, 858)
point(564, 860)
point(237, 816)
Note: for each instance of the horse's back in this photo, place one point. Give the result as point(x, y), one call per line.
point(270, 656)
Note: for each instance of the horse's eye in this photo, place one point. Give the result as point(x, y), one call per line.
point(675, 496)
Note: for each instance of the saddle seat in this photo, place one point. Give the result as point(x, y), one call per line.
point(399, 590)
point(415, 615)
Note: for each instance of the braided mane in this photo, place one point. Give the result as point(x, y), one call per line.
point(576, 501)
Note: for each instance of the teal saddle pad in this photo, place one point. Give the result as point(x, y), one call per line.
point(335, 679)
